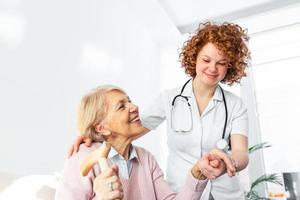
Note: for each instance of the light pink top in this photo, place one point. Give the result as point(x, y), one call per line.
point(146, 181)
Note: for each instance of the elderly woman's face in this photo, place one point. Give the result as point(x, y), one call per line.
point(122, 116)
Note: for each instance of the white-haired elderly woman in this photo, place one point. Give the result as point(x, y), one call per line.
point(107, 112)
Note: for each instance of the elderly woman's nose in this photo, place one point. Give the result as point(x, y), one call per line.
point(133, 107)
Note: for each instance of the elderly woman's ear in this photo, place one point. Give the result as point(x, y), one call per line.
point(100, 128)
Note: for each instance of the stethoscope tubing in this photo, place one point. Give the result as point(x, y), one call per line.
point(187, 100)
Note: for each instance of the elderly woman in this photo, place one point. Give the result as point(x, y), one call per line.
point(107, 113)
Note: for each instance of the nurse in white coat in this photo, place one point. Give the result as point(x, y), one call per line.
point(196, 120)
point(204, 115)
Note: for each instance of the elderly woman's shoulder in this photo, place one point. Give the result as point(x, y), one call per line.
point(84, 151)
point(144, 155)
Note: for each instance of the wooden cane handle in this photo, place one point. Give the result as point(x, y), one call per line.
point(99, 154)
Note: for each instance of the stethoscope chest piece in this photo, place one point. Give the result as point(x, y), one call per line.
point(222, 145)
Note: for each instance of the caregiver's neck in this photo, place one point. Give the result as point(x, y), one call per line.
point(121, 145)
point(202, 90)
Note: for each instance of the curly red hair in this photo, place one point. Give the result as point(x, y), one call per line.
point(229, 38)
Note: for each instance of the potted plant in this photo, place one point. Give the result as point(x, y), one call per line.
point(271, 178)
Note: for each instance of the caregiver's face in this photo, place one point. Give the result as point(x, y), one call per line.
point(212, 65)
point(122, 116)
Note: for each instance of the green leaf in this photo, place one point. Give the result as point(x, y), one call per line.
point(252, 195)
point(259, 146)
point(272, 178)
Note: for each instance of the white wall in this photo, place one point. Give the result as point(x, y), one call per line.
point(52, 52)
point(274, 42)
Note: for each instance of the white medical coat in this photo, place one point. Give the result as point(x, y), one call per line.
point(185, 149)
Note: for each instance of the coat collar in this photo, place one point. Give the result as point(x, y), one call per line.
point(188, 91)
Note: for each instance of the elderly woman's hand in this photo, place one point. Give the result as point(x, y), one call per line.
point(205, 167)
point(107, 185)
point(213, 165)
point(230, 165)
point(210, 166)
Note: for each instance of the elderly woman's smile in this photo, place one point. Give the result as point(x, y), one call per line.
point(122, 118)
point(135, 119)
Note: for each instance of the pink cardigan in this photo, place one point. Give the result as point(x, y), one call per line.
point(149, 177)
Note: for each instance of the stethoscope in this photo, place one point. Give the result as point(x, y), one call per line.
point(221, 144)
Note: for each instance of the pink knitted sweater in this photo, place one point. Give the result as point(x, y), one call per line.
point(146, 181)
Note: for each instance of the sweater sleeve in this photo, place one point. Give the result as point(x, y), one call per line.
point(73, 186)
point(191, 190)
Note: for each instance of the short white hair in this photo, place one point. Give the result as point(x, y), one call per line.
point(92, 110)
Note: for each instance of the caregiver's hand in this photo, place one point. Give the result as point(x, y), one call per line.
point(200, 172)
point(213, 165)
point(227, 162)
point(107, 185)
point(75, 146)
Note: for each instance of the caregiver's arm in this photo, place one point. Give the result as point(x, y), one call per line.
point(238, 156)
point(239, 136)
point(239, 152)
point(88, 142)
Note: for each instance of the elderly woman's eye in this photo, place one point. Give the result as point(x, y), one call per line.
point(205, 60)
point(121, 107)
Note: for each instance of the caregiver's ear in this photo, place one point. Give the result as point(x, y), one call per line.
point(100, 128)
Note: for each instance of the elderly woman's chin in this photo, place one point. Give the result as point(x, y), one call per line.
point(136, 129)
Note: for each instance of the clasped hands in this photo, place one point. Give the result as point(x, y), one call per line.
point(214, 164)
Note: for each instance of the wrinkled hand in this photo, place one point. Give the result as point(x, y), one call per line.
point(211, 166)
point(216, 164)
point(107, 185)
point(204, 167)
point(75, 146)
point(226, 160)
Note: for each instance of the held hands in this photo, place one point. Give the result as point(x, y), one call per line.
point(213, 165)
point(230, 164)
point(107, 185)
point(207, 162)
